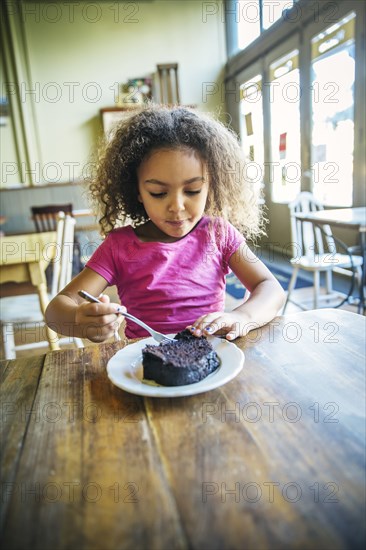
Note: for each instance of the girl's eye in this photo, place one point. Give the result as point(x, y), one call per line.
point(158, 195)
point(193, 192)
point(163, 193)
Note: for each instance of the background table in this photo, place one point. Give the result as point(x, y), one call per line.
point(353, 218)
point(342, 217)
point(273, 459)
point(24, 258)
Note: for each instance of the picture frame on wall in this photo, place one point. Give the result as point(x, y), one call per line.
point(111, 116)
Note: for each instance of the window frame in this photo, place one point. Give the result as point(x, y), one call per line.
point(269, 46)
point(293, 43)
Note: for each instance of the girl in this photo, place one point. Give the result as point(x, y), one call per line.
point(177, 176)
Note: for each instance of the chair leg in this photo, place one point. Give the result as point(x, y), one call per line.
point(8, 341)
point(358, 276)
point(316, 288)
point(359, 283)
point(291, 286)
point(329, 281)
point(78, 342)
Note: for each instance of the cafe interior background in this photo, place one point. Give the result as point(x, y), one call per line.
point(287, 76)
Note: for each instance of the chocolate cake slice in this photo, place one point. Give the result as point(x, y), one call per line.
point(186, 361)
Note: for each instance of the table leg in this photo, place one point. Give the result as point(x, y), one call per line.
point(362, 305)
point(38, 279)
point(44, 301)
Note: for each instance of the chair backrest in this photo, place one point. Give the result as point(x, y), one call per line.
point(45, 217)
point(306, 238)
point(62, 264)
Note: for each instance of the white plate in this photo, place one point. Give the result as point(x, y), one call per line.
point(126, 372)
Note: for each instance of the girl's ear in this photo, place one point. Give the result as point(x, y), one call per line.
point(139, 198)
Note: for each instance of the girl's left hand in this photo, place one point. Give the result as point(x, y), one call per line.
point(231, 324)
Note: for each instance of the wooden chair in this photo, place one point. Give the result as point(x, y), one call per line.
point(45, 217)
point(24, 311)
point(316, 250)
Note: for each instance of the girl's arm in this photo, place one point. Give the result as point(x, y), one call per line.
point(71, 315)
point(266, 299)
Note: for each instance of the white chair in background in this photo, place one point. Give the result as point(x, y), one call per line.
point(316, 250)
point(24, 311)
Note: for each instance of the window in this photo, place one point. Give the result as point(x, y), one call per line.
point(310, 64)
point(251, 128)
point(249, 22)
point(332, 140)
point(256, 16)
point(312, 104)
point(251, 112)
point(273, 11)
point(285, 174)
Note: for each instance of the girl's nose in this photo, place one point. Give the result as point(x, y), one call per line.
point(176, 204)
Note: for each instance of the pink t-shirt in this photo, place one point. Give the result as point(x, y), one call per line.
point(168, 285)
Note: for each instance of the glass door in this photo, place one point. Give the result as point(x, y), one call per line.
point(284, 99)
point(251, 124)
point(332, 101)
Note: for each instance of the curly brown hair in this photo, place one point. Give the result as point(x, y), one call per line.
point(114, 187)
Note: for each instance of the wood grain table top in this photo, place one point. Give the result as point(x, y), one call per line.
point(273, 459)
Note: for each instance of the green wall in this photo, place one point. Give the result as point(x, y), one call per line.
point(77, 54)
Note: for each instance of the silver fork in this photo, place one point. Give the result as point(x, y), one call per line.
point(158, 336)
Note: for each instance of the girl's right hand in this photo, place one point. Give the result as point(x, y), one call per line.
point(98, 322)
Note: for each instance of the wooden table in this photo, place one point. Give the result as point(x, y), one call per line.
point(24, 258)
point(353, 218)
point(86, 213)
point(273, 459)
point(3, 220)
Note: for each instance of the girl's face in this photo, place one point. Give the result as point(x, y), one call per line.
point(173, 187)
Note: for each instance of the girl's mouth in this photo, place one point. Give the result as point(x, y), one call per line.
point(175, 222)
